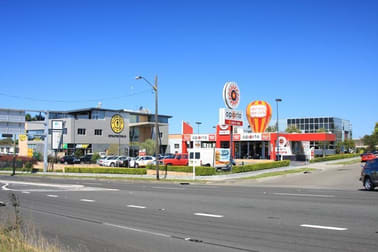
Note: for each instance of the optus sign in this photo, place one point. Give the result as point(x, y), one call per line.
point(259, 114)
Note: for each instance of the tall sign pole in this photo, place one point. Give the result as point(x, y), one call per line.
point(231, 98)
point(45, 147)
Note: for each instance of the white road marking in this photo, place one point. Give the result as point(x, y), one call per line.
point(5, 187)
point(87, 200)
point(59, 187)
point(305, 195)
point(324, 227)
point(134, 206)
point(52, 196)
point(209, 215)
point(137, 230)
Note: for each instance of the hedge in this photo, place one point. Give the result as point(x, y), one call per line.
point(137, 171)
point(260, 166)
point(200, 170)
point(334, 157)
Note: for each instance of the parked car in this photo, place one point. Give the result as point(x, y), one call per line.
point(369, 174)
point(178, 159)
point(86, 159)
point(368, 156)
point(102, 160)
point(144, 161)
point(116, 161)
point(69, 160)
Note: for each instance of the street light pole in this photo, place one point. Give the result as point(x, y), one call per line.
point(157, 133)
point(198, 125)
point(278, 131)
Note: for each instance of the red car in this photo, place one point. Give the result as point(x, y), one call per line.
point(177, 160)
point(368, 156)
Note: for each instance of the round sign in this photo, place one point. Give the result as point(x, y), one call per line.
point(231, 95)
point(117, 123)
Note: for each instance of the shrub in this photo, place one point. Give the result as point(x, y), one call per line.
point(137, 171)
point(334, 157)
point(28, 165)
point(260, 166)
point(95, 157)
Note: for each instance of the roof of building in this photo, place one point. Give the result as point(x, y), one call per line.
point(142, 112)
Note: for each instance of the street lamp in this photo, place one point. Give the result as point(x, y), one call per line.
point(198, 124)
point(157, 147)
point(278, 131)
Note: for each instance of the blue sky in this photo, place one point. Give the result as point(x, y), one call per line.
point(320, 57)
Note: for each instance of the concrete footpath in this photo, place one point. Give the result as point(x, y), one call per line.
point(188, 176)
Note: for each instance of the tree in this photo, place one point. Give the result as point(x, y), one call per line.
point(79, 153)
point(271, 129)
point(28, 117)
point(371, 140)
point(293, 129)
point(149, 146)
point(113, 149)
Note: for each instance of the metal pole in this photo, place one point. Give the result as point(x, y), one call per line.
point(45, 157)
point(157, 133)
point(14, 156)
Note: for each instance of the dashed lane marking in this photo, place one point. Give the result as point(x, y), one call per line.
point(209, 215)
point(324, 227)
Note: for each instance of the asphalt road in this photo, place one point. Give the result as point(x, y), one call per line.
point(281, 214)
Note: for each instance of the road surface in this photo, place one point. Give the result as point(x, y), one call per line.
point(281, 214)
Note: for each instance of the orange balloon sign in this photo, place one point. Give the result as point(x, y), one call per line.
point(258, 115)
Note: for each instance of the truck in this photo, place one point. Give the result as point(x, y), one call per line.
point(178, 160)
point(214, 157)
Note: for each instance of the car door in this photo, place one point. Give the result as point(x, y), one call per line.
point(374, 171)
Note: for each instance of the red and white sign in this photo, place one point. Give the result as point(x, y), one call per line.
point(255, 137)
point(231, 95)
point(230, 117)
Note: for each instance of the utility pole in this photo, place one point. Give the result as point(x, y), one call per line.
point(14, 156)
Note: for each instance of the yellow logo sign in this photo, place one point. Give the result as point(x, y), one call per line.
point(117, 124)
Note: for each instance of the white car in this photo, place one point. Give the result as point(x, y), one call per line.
point(101, 161)
point(142, 161)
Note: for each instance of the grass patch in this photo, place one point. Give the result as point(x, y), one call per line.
point(135, 171)
point(334, 157)
point(355, 161)
point(279, 173)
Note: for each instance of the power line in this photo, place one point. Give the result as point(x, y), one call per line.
point(81, 100)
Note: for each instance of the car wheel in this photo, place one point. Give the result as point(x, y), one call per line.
point(368, 184)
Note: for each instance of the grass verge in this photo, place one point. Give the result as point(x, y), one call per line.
point(279, 173)
point(355, 161)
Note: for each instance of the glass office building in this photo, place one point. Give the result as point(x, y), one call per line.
point(341, 128)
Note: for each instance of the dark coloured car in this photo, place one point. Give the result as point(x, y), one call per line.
point(87, 159)
point(69, 160)
point(369, 174)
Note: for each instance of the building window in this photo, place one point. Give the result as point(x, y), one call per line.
point(81, 131)
point(177, 146)
point(98, 132)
